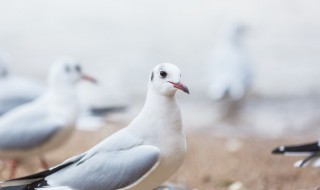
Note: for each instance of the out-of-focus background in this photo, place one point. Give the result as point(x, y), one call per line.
point(119, 42)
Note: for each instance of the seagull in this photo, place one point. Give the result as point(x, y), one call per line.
point(229, 70)
point(140, 156)
point(311, 150)
point(45, 123)
point(16, 90)
point(229, 66)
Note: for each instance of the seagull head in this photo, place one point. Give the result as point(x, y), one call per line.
point(68, 71)
point(165, 79)
point(236, 31)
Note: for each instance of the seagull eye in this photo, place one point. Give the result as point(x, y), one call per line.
point(163, 74)
point(78, 68)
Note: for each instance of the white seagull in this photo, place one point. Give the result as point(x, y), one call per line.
point(46, 123)
point(229, 72)
point(16, 90)
point(139, 157)
point(229, 69)
point(311, 150)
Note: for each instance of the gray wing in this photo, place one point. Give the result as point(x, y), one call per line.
point(109, 170)
point(8, 104)
point(26, 129)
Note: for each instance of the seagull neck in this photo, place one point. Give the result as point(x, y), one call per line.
point(161, 111)
point(158, 102)
point(62, 101)
point(62, 94)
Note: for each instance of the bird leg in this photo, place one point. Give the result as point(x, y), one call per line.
point(43, 163)
point(13, 168)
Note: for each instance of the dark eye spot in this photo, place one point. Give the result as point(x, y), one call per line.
point(152, 76)
point(78, 68)
point(163, 74)
point(67, 69)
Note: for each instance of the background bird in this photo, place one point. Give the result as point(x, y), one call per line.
point(141, 156)
point(311, 150)
point(229, 71)
point(47, 122)
point(16, 90)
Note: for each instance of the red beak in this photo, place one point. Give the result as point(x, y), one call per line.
point(89, 78)
point(181, 86)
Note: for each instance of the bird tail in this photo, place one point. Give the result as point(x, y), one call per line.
point(23, 184)
point(38, 181)
point(304, 149)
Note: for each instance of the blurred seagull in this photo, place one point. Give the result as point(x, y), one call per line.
point(47, 122)
point(14, 90)
point(229, 70)
point(141, 156)
point(311, 150)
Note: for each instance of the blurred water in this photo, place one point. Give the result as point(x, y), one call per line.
point(130, 37)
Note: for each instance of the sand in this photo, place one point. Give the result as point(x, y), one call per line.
point(212, 162)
